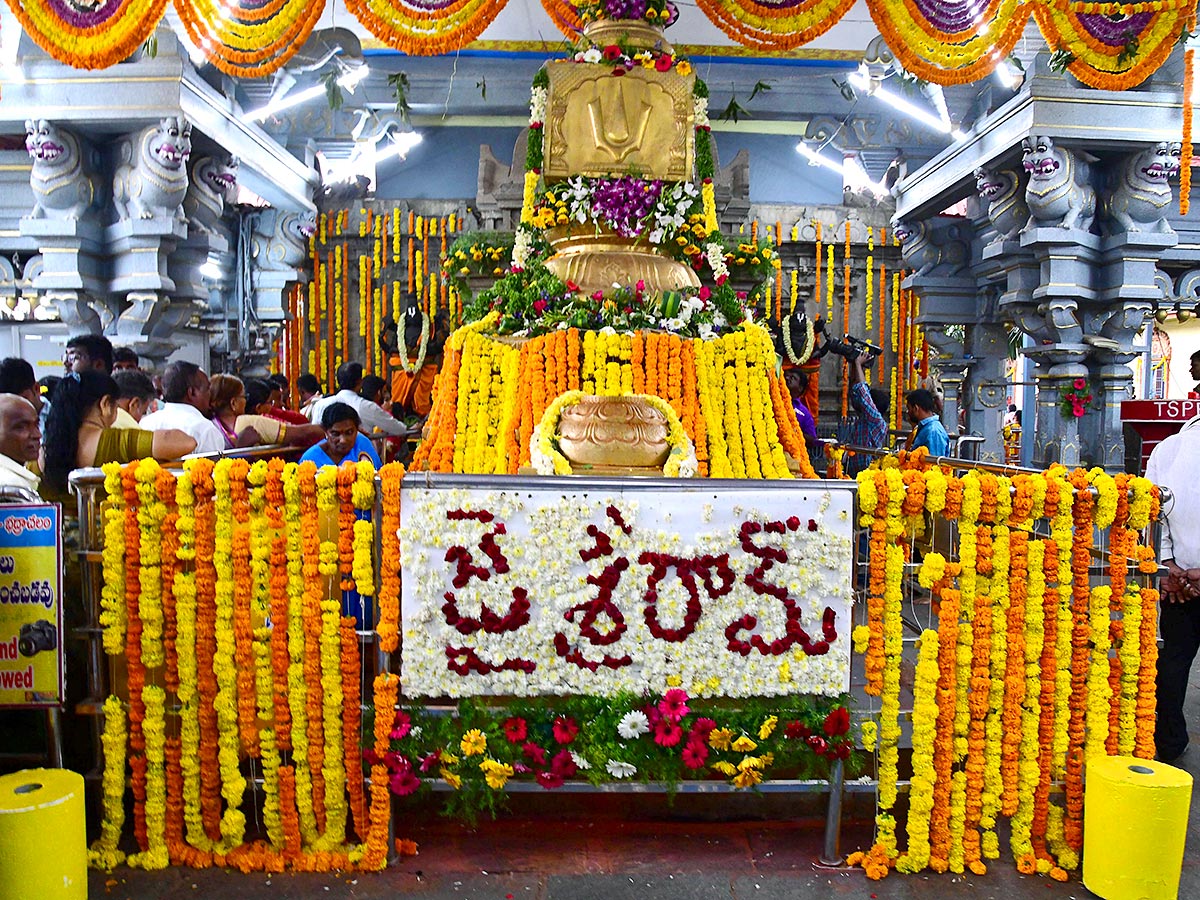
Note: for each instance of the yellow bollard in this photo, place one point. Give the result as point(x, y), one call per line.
point(43, 837)
point(1135, 816)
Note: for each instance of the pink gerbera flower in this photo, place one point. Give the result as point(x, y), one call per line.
point(667, 734)
point(402, 727)
point(694, 754)
point(673, 705)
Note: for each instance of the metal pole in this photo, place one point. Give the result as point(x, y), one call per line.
point(54, 736)
point(832, 854)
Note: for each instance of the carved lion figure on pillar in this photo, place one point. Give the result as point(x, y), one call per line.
point(1141, 193)
point(1001, 190)
point(151, 178)
point(1059, 193)
point(212, 185)
point(63, 188)
point(281, 239)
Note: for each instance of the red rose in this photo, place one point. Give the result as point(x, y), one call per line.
point(619, 70)
point(1079, 384)
point(721, 279)
point(663, 63)
point(611, 52)
point(837, 722)
point(705, 293)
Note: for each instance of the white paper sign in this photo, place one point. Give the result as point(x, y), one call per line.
point(547, 586)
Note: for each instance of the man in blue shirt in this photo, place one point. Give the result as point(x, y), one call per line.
point(869, 427)
point(922, 412)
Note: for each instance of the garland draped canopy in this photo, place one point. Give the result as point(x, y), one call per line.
point(1111, 46)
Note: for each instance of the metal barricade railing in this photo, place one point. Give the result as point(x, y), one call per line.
point(88, 485)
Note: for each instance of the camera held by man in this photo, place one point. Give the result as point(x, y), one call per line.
point(848, 347)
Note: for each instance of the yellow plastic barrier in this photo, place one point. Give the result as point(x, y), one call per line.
point(1135, 817)
point(43, 837)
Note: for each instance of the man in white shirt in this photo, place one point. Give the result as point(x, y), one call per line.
point(185, 406)
point(20, 439)
point(1172, 465)
point(349, 378)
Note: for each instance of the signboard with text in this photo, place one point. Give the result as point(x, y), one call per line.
point(546, 586)
point(31, 630)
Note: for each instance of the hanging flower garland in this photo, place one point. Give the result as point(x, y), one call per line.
point(93, 36)
point(969, 54)
point(249, 41)
point(425, 27)
point(1113, 55)
point(768, 26)
point(104, 852)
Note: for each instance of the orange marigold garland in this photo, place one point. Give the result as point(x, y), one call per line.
point(1185, 156)
point(388, 629)
point(1080, 645)
point(352, 724)
point(387, 690)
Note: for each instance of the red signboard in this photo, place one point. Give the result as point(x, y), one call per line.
point(1156, 420)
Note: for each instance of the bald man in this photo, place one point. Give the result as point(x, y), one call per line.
point(20, 439)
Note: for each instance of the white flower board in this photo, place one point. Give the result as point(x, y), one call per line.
point(723, 588)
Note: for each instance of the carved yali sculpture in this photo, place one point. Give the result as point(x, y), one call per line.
point(1059, 192)
point(213, 184)
point(63, 187)
point(1141, 193)
point(614, 431)
point(930, 250)
point(151, 179)
point(280, 240)
point(1006, 209)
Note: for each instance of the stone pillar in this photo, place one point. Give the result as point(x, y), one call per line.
point(140, 248)
point(988, 387)
point(1058, 438)
point(952, 379)
point(71, 279)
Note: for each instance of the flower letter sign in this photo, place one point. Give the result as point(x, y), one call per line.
point(548, 586)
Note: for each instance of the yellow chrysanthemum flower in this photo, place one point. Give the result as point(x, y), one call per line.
point(473, 742)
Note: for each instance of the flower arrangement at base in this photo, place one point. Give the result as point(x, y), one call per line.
point(548, 459)
point(533, 301)
point(660, 738)
point(476, 255)
point(1073, 400)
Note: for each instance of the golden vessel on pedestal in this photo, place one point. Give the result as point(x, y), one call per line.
point(615, 433)
point(595, 261)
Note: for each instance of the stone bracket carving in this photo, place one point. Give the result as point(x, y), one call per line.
point(935, 246)
point(62, 179)
point(1140, 195)
point(1004, 194)
point(279, 245)
point(1059, 193)
point(151, 179)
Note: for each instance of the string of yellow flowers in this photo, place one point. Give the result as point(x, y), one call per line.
point(924, 739)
